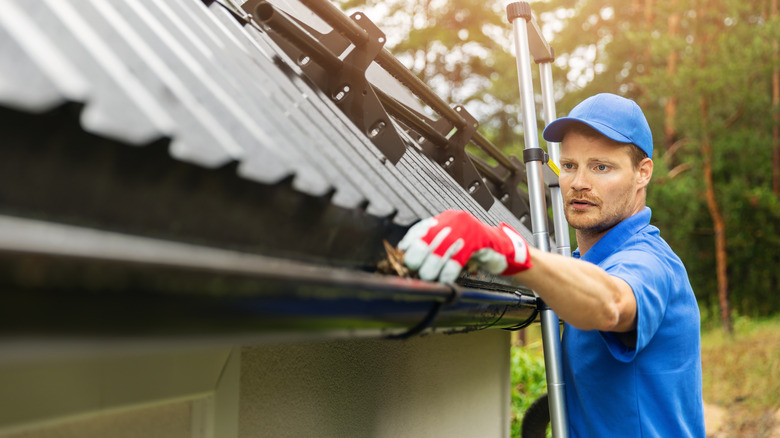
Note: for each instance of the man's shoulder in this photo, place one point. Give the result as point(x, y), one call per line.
point(647, 261)
point(645, 243)
point(645, 255)
point(647, 240)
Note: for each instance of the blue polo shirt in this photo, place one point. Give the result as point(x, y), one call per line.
point(655, 388)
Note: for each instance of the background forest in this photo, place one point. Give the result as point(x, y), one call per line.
point(707, 75)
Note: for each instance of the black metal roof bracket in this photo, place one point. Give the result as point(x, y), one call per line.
point(506, 185)
point(337, 65)
point(453, 157)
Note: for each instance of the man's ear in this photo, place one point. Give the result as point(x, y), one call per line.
point(645, 172)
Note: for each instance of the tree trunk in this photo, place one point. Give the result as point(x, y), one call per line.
point(670, 107)
point(643, 10)
point(775, 111)
point(721, 258)
point(648, 18)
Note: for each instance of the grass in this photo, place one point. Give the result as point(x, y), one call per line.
point(741, 373)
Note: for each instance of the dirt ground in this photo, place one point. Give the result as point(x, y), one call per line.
point(716, 423)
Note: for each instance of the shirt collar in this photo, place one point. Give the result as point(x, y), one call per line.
point(616, 237)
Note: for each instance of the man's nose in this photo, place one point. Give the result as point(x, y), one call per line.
point(580, 180)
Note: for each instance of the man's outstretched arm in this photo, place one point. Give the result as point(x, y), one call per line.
point(581, 293)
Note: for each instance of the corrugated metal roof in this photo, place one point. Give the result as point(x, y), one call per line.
point(220, 90)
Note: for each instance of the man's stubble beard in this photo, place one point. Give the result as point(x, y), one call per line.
point(606, 221)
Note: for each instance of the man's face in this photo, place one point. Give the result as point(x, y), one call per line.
point(599, 184)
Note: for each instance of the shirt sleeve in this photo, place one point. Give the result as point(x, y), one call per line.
point(648, 277)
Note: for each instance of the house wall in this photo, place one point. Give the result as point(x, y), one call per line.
point(431, 386)
point(435, 385)
point(122, 389)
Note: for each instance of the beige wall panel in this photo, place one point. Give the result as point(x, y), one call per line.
point(431, 386)
point(164, 421)
point(119, 390)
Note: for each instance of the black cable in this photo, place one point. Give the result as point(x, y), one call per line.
point(430, 317)
point(528, 321)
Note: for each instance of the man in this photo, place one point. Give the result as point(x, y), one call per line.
point(631, 342)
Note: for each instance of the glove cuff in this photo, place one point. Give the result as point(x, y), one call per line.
point(518, 257)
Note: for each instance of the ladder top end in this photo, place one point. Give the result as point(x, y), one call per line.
point(518, 10)
point(546, 59)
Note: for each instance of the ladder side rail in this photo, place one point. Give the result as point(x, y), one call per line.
point(531, 141)
point(562, 241)
point(557, 406)
point(519, 15)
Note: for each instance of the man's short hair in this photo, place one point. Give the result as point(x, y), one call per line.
point(634, 152)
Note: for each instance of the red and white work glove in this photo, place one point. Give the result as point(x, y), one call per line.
point(440, 246)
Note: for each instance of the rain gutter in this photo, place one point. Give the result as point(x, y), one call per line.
point(65, 280)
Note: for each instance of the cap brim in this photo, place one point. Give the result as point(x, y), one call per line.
point(555, 130)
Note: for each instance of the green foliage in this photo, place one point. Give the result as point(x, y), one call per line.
point(528, 381)
point(725, 61)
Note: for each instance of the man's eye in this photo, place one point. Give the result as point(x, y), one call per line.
point(567, 166)
point(602, 167)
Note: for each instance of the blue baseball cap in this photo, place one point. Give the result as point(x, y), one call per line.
point(614, 116)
